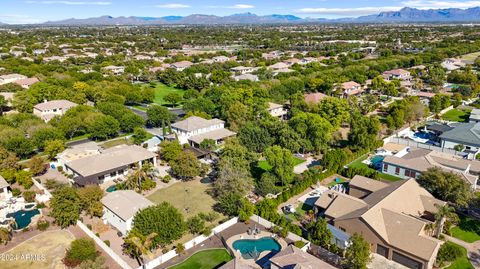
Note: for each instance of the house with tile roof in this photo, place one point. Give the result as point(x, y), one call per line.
point(390, 216)
point(194, 130)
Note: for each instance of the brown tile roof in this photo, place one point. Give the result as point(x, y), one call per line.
point(63, 104)
point(293, 257)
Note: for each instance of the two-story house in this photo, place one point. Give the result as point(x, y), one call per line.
point(194, 130)
point(49, 109)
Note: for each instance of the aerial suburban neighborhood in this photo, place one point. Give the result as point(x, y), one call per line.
point(345, 135)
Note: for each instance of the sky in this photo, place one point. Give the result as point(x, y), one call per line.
point(35, 11)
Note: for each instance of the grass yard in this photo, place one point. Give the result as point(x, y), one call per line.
point(266, 167)
point(471, 56)
point(189, 197)
point(457, 115)
point(468, 230)
point(206, 259)
point(388, 177)
point(462, 262)
point(51, 244)
point(161, 90)
point(358, 162)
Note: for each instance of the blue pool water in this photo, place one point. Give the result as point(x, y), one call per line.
point(422, 135)
point(23, 218)
point(111, 188)
point(377, 161)
point(251, 248)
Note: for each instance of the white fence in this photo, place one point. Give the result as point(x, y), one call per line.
point(190, 244)
point(45, 197)
point(104, 246)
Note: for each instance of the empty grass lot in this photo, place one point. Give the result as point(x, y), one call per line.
point(51, 244)
point(468, 230)
point(161, 90)
point(457, 115)
point(206, 259)
point(189, 197)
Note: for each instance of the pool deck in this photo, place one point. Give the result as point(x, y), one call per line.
point(262, 234)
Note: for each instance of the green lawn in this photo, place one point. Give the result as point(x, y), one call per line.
point(457, 115)
point(471, 56)
point(189, 197)
point(468, 230)
point(161, 90)
point(266, 167)
point(462, 262)
point(358, 162)
point(206, 259)
point(389, 177)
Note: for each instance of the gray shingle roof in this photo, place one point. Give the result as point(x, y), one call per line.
point(464, 133)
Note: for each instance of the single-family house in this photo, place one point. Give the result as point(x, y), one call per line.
point(400, 74)
point(277, 110)
point(109, 164)
point(293, 257)
point(220, 59)
point(49, 109)
point(120, 207)
point(250, 77)
point(418, 160)
point(180, 66)
point(351, 88)
point(243, 69)
point(194, 130)
point(314, 98)
point(114, 70)
point(5, 79)
point(26, 83)
point(466, 134)
point(391, 217)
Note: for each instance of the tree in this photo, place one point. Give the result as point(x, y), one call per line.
point(446, 186)
point(336, 110)
point(140, 178)
point(319, 233)
point(266, 184)
point(53, 147)
point(195, 225)
point(158, 116)
point(65, 206)
point(357, 255)
point(20, 145)
point(170, 150)
point(138, 245)
point(90, 197)
point(24, 178)
point(5, 235)
point(36, 165)
point(130, 121)
point(42, 135)
point(364, 132)
point(173, 98)
point(255, 138)
point(139, 135)
point(80, 250)
point(186, 166)
point(103, 127)
point(232, 179)
point(443, 214)
point(312, 128)
point(229, 204)
point(282, 162)
point(163, 219)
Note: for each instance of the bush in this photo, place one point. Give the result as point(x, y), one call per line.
point(41, 205)
point(299, 244)
point(166, 179)
point(60, 169)
point(80, 250)
point(43, 224)
point(180, 248)
point(29, 196)
point(16, 192)
point(89, 226)
point(107, 242)
point(448, 252)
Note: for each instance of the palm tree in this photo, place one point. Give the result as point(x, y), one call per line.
point(443, 214)
point(135, 246)
point(138, 175)
point(429, 228)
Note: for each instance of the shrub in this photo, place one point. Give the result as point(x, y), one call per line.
point(80, 250)
point(41, 205)
point(180, 248)
point(166, 179)
point(299, 244)
point(89, 226)
point(60, 169)
point(107, 242)
point(448, 252)
point(16, 192)
point(43, 224)
point(29, 196)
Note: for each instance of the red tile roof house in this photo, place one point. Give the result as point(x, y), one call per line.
point(351, 88)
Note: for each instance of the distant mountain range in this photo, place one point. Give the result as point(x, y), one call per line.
point(405, 15)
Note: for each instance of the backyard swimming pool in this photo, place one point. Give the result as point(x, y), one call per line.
point(376, 161)
point(111, 188)
point(250, 249)
point(23, 218)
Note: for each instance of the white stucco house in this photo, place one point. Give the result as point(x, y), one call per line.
point(194, 130)
point(120, 207)
point(49, 109)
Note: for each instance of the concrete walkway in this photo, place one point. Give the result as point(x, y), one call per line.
point(472, 248)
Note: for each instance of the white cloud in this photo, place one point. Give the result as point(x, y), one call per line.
point(242, 6)
point(71, 3)
point(18, 19)
point(173, 5)
point(347, 11)
point(429, 4)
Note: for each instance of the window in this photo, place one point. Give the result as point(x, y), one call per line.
point(385, 167)
point(112, 174)
point(410, 173)
point(382, 251)
point(397, 170)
